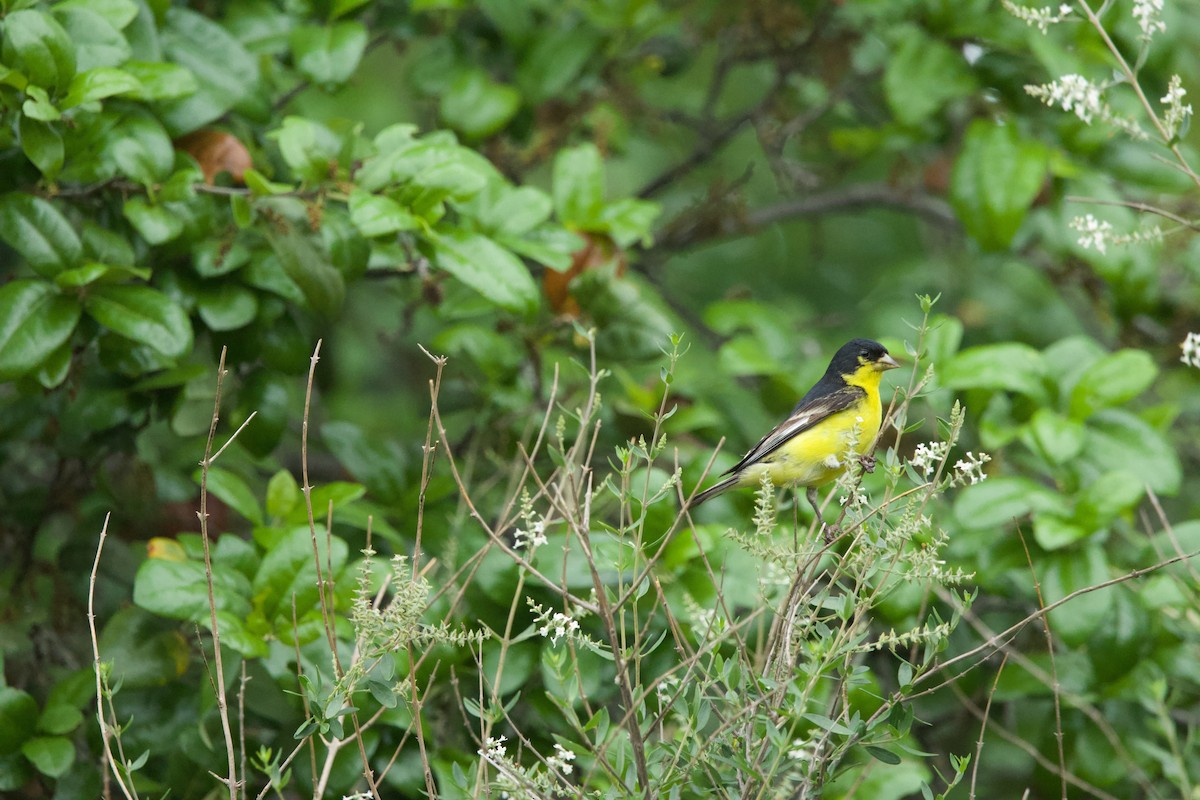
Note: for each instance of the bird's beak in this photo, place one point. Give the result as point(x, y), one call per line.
point(887, 362)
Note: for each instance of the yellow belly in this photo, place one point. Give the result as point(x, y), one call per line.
point(818, 455)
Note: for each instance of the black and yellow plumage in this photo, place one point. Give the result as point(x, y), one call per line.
point(838, 418)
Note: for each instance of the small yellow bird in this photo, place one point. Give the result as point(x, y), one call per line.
point(837, 419)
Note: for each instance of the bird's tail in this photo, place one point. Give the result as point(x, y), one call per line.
point(715, 490)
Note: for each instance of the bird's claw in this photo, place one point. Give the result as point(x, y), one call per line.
point(868, 463)
point(831, 532)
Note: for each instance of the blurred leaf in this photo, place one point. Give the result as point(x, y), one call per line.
point(142, 649)
point(1111, 381)
point(379, 215)
point(156, 223)
point(142, 314)
point(1116, 438)
point(99, 83)
point(328, 54)
point(1052, 531)
point(579, 186)
point(629, 221)
point(1003, 499)
point(52, 755)
point(159, 80)
point(287, 575)
point(487, 268)
point(922, 75)
point(141, 148)
point(234, 492)
point(477, 106)
point(18, 718)
point(323, 286)
point(503, 208)
point(42, 144)
point(118, 13)
point(59, 719)
point(225, 72)
point(555, 60)
point(97, 43)
point(309, 148)
point(227, 306)
point(1010, 366)
point(178, 589)
point(1067, 572)
point(283, 494)
point(1055, 438)
point(378, 464)
point(36, 230)
point(996, 178)
point(1104, 498)
point(36, 44)
point(35, 320)
point(264, 393)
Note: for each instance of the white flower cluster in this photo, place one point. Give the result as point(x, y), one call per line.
point(561, 760)
point(1177, 113)
point(927, 456)
point(970, 469)
point(1074, 93)
point(1191, 350)
point(1148, 14)
point(1096, 233)
point(1043, 18)
point(532, 538)
point(493, 748)
point(558, 626)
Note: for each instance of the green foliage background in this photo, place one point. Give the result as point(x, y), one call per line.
point(768, 178)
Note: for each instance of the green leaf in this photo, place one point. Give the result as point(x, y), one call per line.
point(1054, 531)
point(18, 718)
point(179, 590)
point(156, 223)
point(1066, 572)
point(579, 186)
point(1010, 366)
point(143, 150)
point(35, 320)
point(995, 180)
point(97, 43)
point(1111, 381)
point(882, 755)
point(998, 501)
point(59, 719)
point(118, 13)
point(504, 209)
point(36, 230)
point(52, 755)
point(159, 80)
point(922, 75)
point(42, 144)
point(225, 72)
point(379, 215)
point(38, 107)
point(142, 314)
point(1054, 437)
point(234, 492)
point(554, 61)
point(227, 306)
point(38, 46)
point(288, 575)
point(477, 106)
point(321, 283)
point(1113, 493)
point(99, 83)
point(1116, 438)
point(629, 220)
point(487, 268)
point(308, 147)
point(283, 494)
point(380, 465)
point(328, 54)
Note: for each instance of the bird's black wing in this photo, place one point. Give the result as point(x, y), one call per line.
point(803, 417)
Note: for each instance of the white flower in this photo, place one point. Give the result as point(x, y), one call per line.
point(1177, 113)
point(558, 626)
point(494, 748)
point(800, 750)
point(927, 456)
point(1191, 350)
point(1043, 18)
point(1148, 14)
point(1096, 233)
point(561, 760)
point(1074, 93)
point(533, 538)
point(970, 469)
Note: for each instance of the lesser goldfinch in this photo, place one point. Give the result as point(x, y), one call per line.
point(837, 419)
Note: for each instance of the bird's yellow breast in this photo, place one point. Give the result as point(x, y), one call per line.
point(819, 454)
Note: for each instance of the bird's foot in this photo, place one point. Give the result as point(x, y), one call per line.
point(868, 463)
point(831, 532)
